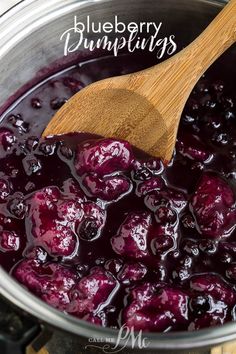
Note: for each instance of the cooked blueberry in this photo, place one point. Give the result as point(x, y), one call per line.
point(4, 190)
point(218, 86)
point(17, 207)
point(199, 305)
point(31, 165)
point(162, 244)
point(7, 139)
point(142, 174)
point(66, 151)
point(9, 241)
point(17, 122)
point(58, 102)
point(231, 273)
point(47, 148)
point(38, 253)
point(214, 285)
point(32, 143)
point(132, 272)
point(88, 230)
point(188, 221)
point(226, 258)
point(220, 139)
point(165, 215)
point(193, 148)
point(227, 102)
point(114, 265)
point(208, 246)
point(154, 183)
point(190, 247)
point(73, 84)
point(82, 270)
point(36, 103)
point(52, 221)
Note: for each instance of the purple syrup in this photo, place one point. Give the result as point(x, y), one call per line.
point(106, 233)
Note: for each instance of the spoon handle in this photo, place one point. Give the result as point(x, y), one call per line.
point(217, 37)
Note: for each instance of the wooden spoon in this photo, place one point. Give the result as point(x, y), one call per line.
point(145, 107)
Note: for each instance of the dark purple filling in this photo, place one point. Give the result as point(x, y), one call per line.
point(106, 233)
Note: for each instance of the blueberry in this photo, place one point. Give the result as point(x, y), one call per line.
point(231, 273)
point(114, 265)
point(142, 174)
point(32, 165)
point(17, 207)
point(186, 261)
point(132, 272)
point(229, 115)
point(5, 189)
point(208, 246)
point(51, 282)
point(66, 151)
point(162, 244)
point(7, 139)
point(36, 103)
point(88, 230)
point(199, 305)
point(17, 122)
point(180, 274)
point(31, 143)
point(145, 187)
point(188, 221)
point(37, 253)
point(190, 247)
point(47, 148)
point(57, 102)
point(220, 139)
point(226, 258)
point(9, 241)
point(82, 270)
point(92, 291)
point(165, 215)
point(218, 86)
point(29, 187)
point(73, 84)
point(227, 102)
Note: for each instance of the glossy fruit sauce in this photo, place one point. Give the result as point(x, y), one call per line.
point(108, 234)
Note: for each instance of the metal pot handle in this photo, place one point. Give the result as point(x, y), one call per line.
point(19, 332)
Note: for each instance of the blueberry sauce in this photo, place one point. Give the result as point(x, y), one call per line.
point(101, 231)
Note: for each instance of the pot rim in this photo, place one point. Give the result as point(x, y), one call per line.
point(19, 295)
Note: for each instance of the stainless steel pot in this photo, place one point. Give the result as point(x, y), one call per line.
point(29, 42)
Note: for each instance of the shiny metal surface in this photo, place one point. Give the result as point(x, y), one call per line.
point(6, 5)
point(29, 41)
